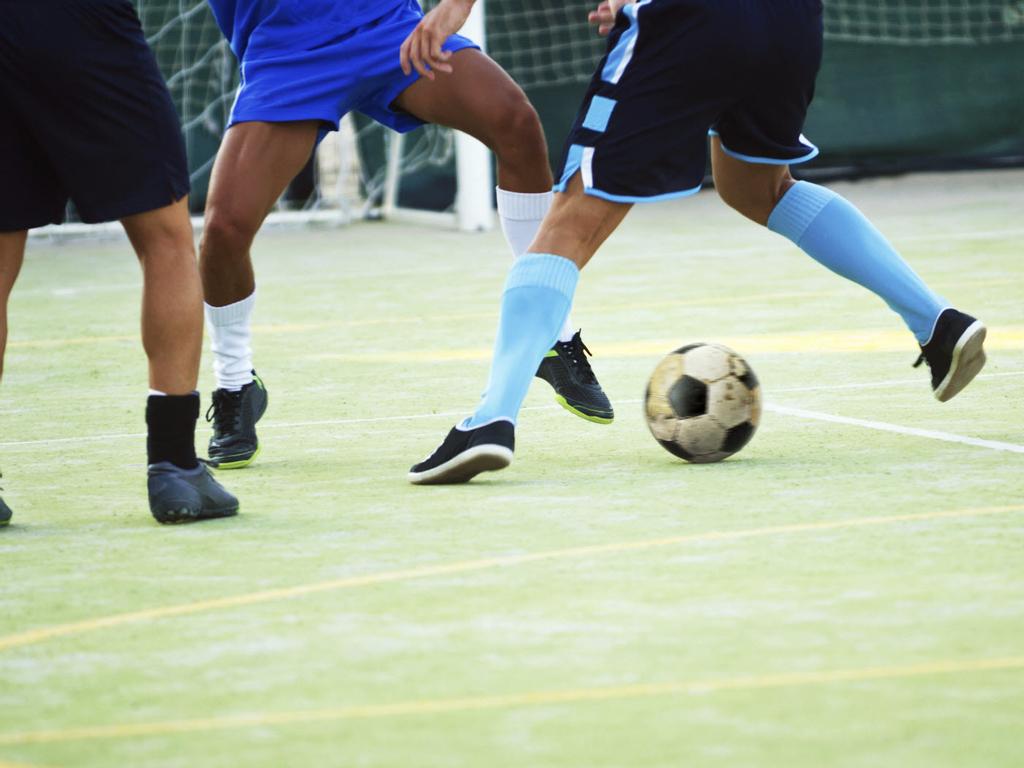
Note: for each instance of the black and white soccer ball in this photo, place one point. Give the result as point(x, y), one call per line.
point(703, 403)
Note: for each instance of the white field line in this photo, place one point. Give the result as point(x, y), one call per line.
point(883, 426)
point(779, 409)
point(883, 384)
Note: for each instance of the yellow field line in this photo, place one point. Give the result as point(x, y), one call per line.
point(507, 701)
point(42, 634)
point(1006, 338)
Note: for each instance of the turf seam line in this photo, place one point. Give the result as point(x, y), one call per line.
point(76, 628)
point(513, 700)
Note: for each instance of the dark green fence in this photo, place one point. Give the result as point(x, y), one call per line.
point(905, 84)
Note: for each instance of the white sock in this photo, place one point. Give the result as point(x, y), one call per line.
point(231, 342)
point(521, 214)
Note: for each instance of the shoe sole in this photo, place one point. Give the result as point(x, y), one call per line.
point(182, 516)
point(583, 414)
point(465, 466)
point(238, 463)
point(968, 360)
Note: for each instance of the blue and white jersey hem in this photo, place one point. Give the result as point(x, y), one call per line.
point(812, 152)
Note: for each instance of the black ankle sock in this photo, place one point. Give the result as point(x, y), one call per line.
point(172, 429)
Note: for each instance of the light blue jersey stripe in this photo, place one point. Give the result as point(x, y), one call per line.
point(599, 113)
point(572, 164)
point(622, 53)
point(594, 192)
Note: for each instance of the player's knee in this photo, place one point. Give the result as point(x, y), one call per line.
point(518, 130)
point(164, 235)
point(226, 234)
point(755, 201)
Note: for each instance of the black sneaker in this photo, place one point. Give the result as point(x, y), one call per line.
point(566, 368)
point(179, 495)
point(954, 353)
point(464, 454)
point(5, 511)
point(234, 415)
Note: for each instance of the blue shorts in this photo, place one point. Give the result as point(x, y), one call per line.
point(677, 70)
point(85, 116)
point(358, 71)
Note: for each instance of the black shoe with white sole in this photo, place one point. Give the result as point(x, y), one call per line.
point(464, 454)
point(955, 353)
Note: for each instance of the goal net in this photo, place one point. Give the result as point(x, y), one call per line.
point(925, 22)
point(546, 45)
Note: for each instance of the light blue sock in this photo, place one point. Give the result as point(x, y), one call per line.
point(832, 231)
point(538, 295)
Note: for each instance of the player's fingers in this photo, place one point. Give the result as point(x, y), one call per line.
point(403, 56)
point(419, 50)
point(435, 48)
point(439, 57)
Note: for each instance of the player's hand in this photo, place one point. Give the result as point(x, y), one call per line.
point(422, 49)
point(604, 17)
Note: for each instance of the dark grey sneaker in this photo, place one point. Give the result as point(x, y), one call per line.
point(179, 495)
point(955, 353)
point(464, 454)
point(234, 415)
point(566, 368)
point(5, 511)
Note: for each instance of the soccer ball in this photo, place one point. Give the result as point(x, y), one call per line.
point(703, 403)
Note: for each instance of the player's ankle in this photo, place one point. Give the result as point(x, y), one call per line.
point(171, 422)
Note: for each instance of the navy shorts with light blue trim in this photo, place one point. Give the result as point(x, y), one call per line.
point(84, 114)
point(677, 70)
point(359, 70)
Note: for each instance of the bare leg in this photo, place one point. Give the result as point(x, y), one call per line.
point(480, 99)
point(172, 309)
point(254, 165)
point(578, 224)
point(12, 253)
point(830, 230)
point(752, 189)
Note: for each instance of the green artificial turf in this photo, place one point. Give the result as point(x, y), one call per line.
point(834, 595)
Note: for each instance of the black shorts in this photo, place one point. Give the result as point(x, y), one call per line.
point(677, 70)
point(84, 115)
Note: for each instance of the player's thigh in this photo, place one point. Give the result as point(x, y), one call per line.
point(254, 165)
point(578, 224)
point(753, 189)
point(478, 98)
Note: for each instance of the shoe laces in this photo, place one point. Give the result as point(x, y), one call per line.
point(920, 359)
point(577, 352)
point(225, 411)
